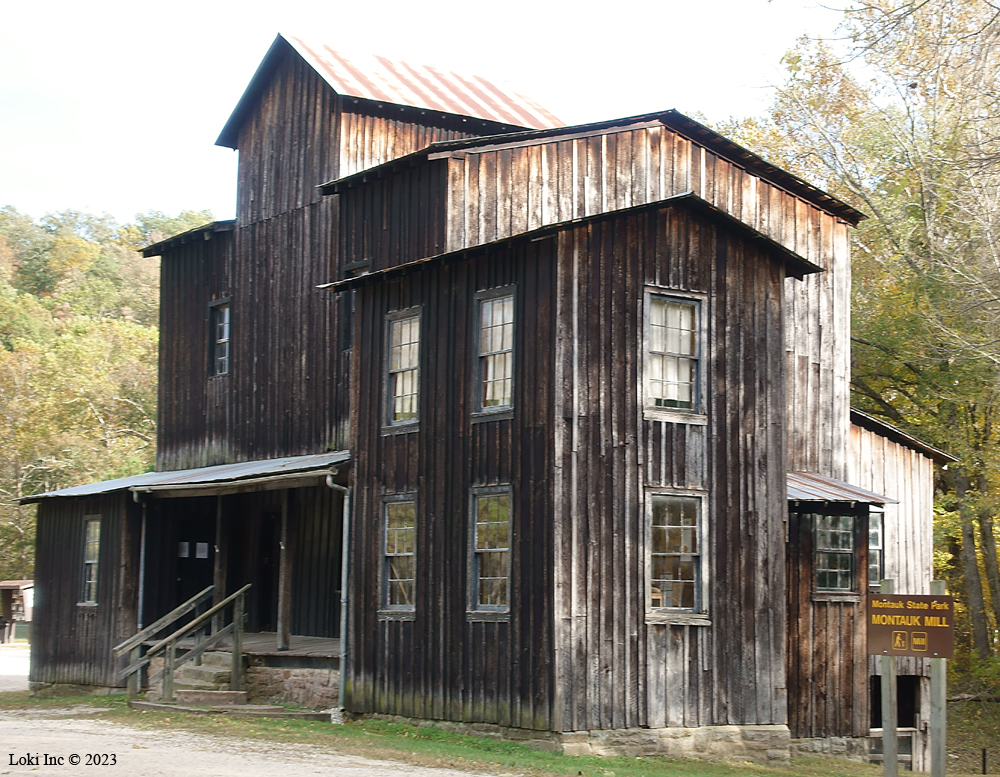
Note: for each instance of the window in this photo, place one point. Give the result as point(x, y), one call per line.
point(220, 340)
point(491, 549)
point(834, 552)
point(496, 352)
point(875, 549)
point(404, 368)
point(673, 354)
point(399, 560)
point(675, 561)
point(91, 554)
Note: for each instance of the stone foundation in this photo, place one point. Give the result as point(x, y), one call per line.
point(843, 748)
point(57, 690)
point(315, 689)
point(760, 744)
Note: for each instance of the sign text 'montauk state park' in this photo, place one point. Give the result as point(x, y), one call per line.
point(905, 625)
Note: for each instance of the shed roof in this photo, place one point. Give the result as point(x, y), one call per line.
point(897, 435)
point(220, 477)
point(384, 80)
point(198, 234)
point(674, 120)
point(810, 487)
point(795, 264)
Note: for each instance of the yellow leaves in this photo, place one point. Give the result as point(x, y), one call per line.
point(71, 252)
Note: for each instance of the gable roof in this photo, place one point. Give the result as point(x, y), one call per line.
point(897, 435)
point(671, 119)
point(388, 81)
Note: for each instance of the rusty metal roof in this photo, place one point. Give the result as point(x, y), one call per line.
point(382, 80)
point(222, 473)
point(810, 487)
point(421, 86)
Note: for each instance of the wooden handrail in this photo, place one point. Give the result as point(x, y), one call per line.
point(167, 619)
point(196, 622)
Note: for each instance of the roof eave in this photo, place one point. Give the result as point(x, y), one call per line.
point(229, 136)
point(204, 232)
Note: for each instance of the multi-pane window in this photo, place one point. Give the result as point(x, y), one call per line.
point(491, 550)
point(91, 554)
point(672, 361)
point(220, 340)
point(399, 568)
point(404, 368)
point(496, 352)
point(875, 549)
point(675, 552)
point(834, 552)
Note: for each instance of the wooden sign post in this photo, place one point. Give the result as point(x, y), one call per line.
point(922, 626)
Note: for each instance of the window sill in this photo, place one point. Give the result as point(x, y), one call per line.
point(86, 604)
point(501, 414)
point(488, 615)
point(836, 596)
point(397, 615)
point(663, 618)
point(675, 416)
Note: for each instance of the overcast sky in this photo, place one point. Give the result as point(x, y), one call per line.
point(110, 106)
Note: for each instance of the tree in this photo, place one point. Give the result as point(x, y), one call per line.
point(906, 127)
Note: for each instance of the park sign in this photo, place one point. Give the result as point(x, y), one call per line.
point(905, 625)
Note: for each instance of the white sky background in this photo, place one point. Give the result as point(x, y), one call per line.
point(112, 106)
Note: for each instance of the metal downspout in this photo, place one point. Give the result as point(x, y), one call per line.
point(344, 557)
point(142, 561)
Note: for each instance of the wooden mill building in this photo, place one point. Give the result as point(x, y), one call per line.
point(587, 389)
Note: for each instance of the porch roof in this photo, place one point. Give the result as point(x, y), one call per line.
point(810, 487)
point(289, 472)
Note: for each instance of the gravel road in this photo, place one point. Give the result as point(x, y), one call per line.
point(148, 753)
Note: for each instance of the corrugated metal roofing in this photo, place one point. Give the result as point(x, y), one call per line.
point(420, 86)
point(809, 487)
point(217, 474)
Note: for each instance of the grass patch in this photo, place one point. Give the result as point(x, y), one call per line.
point(973, 725)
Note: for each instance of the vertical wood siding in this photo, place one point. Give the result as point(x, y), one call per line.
point(71, 643)
point(827, 648)
point(613, 669)
point(445, 664)
point(194, 410)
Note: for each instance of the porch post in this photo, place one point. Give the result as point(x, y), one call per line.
point(285, 577)
point(220, 563)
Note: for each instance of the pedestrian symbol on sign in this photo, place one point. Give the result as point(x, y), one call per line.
point(899, 640)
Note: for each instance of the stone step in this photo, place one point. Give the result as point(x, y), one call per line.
point(199, 698)
point(217, 659)
point(182, 686)
point(211, 675)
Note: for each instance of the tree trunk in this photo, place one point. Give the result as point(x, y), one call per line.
point(988, 542)
point(970, 571)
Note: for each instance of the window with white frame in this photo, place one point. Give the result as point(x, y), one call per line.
point(91, 556)
point(496, 352)
point(490, 567)
point(875, 549)
point(399, 553)
point(404, 368)
point(675, 552)
point(220, 339)
point(673, 353)
point(834, 537)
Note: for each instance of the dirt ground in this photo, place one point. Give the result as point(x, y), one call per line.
point(148, 753)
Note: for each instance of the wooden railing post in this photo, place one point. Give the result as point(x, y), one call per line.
point(236, 681)
point(133, 679)
point(168, 672)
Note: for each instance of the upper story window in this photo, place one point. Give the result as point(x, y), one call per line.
point(496, 352)
point(220, 339)
point(491, 517)
point(399, 553)
point(91, 556)
point(673, 359)
point(404, 368)
point(675, 552)
point(834, 552)
point(875, 549)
